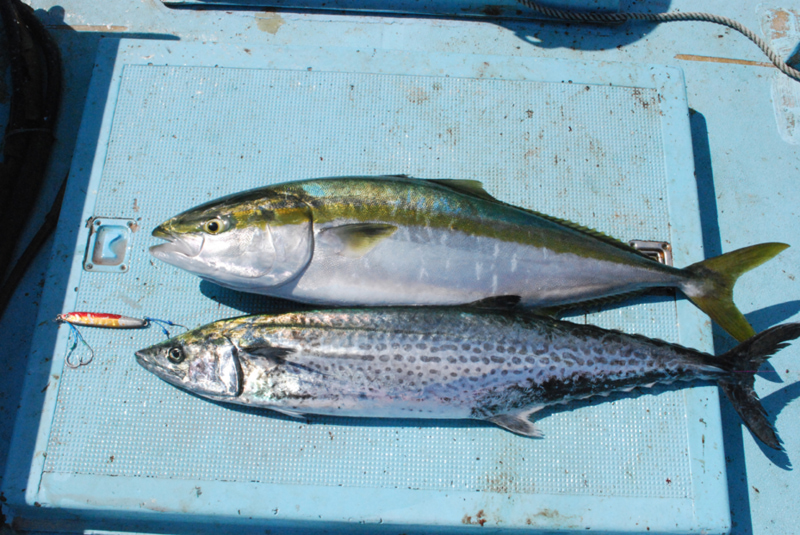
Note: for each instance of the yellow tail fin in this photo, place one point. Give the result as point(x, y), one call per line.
point(711, 285)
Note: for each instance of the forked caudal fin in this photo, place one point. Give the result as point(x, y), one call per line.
point(712, 280)
point(743, 361)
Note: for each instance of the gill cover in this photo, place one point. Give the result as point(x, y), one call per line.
point(215, 370)
point(257, 239)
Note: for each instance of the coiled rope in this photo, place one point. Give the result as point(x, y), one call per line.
point(619, 18)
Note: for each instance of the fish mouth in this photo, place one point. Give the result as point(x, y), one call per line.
point(146, 361)
point(184, 245)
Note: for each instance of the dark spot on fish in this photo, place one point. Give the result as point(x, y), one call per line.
point(500, 349)
point(485, 360)
point(407, 347)
point(380, 347)
point(474, 359)
point(523, 350)
point(368, 357)
point(419, 374)
point(395, 345)
point(590, 362)
point(556, 358)
point(492, 371)
point(384, 358)
point(434, 371)
point(418, 367)
point(452, 360)
point(462, 358)
point(399, 370)
point(430, 359)
point(544, 360)
point(617, 362)
point(365, 347)
point(477, 350)
point(412, 358)
point(529, 360)
point(398, 357)
point(466, 347)
point(512, 350)
point(516, 360)
point(517, 371)
point(504, 372)
point(496, 359)
point(388, 368)
point(422, 346)
point(487, 346)
point(453, 374)
point(601, 360)
point(449, 347)
point(473, 378)
point(552, 368)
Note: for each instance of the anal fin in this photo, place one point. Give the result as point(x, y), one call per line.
point(518, 423)
point(290, 413)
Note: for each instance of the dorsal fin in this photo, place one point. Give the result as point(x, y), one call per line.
point(496, 302)
point(473, 188)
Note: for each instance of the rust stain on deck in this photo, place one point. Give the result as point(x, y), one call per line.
point(713, 59)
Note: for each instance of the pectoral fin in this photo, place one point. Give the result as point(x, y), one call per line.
point(275, 355)
point(518, 423)
point(357, 239)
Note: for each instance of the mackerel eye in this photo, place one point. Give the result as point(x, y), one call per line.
point(175, 355)
point(215, 226)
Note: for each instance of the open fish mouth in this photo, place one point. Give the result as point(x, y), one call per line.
point(189, 246)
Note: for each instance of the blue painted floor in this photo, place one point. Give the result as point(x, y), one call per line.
point(745, 121)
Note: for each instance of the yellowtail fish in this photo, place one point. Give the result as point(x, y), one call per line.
point(393, 241)
point(442, 363)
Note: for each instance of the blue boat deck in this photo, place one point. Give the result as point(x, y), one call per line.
point(745, 139)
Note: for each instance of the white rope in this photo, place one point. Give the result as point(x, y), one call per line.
point(618, 18)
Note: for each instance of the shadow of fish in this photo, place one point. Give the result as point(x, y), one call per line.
point(392, 241)
point(442, 363)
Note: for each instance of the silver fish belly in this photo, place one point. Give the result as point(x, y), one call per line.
point(421, 363)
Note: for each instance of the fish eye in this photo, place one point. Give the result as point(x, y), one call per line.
point(175, 355)
point(215, 226)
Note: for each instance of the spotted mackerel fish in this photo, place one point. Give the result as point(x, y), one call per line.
point(443, 363)
point(395, 240)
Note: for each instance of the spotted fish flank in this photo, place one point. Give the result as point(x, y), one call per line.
point(395, 240)
point(441, 363)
